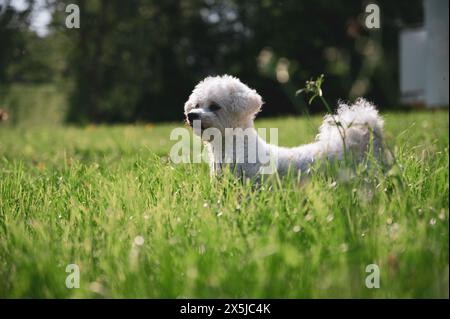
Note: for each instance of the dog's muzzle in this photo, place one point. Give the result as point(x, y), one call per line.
point(191, 117)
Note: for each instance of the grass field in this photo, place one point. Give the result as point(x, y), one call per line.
point(109, 200)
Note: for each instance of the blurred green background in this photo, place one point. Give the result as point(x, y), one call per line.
point(136, 60)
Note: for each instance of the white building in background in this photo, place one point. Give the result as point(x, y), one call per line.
point(424, 58)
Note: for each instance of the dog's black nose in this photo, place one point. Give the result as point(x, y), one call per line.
point(192, 116)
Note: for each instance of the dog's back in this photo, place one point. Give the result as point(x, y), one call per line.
point(356, 128)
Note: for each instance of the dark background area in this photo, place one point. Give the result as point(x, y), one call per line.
point(138, 60)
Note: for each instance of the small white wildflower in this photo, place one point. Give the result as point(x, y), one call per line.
point(97, 287)
point(139, 240)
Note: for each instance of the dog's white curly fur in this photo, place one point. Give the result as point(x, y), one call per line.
point(350, 131)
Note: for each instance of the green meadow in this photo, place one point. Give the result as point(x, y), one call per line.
point(108, 199)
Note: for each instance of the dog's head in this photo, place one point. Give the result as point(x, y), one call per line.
point(222, 102)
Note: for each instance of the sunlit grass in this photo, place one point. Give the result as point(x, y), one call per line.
point(107, 199)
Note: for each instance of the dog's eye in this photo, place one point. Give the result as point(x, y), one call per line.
point(196, 106)
point(214, 107)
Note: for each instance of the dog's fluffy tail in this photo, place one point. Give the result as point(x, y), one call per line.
point(359, 125)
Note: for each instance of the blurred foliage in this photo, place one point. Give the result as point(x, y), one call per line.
point(12, 37)
point(138, 60)
point(34, 105)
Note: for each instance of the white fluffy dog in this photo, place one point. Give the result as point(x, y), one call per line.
point(223, 104)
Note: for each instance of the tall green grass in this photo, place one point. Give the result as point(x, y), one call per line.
point(88, 196)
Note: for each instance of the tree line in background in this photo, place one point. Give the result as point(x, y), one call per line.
point(138, 60)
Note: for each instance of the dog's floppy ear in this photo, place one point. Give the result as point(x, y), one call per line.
point(254, 102)
point(248, 102)
point(244, 99)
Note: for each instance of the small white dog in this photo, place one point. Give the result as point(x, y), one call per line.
point(224, 104)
